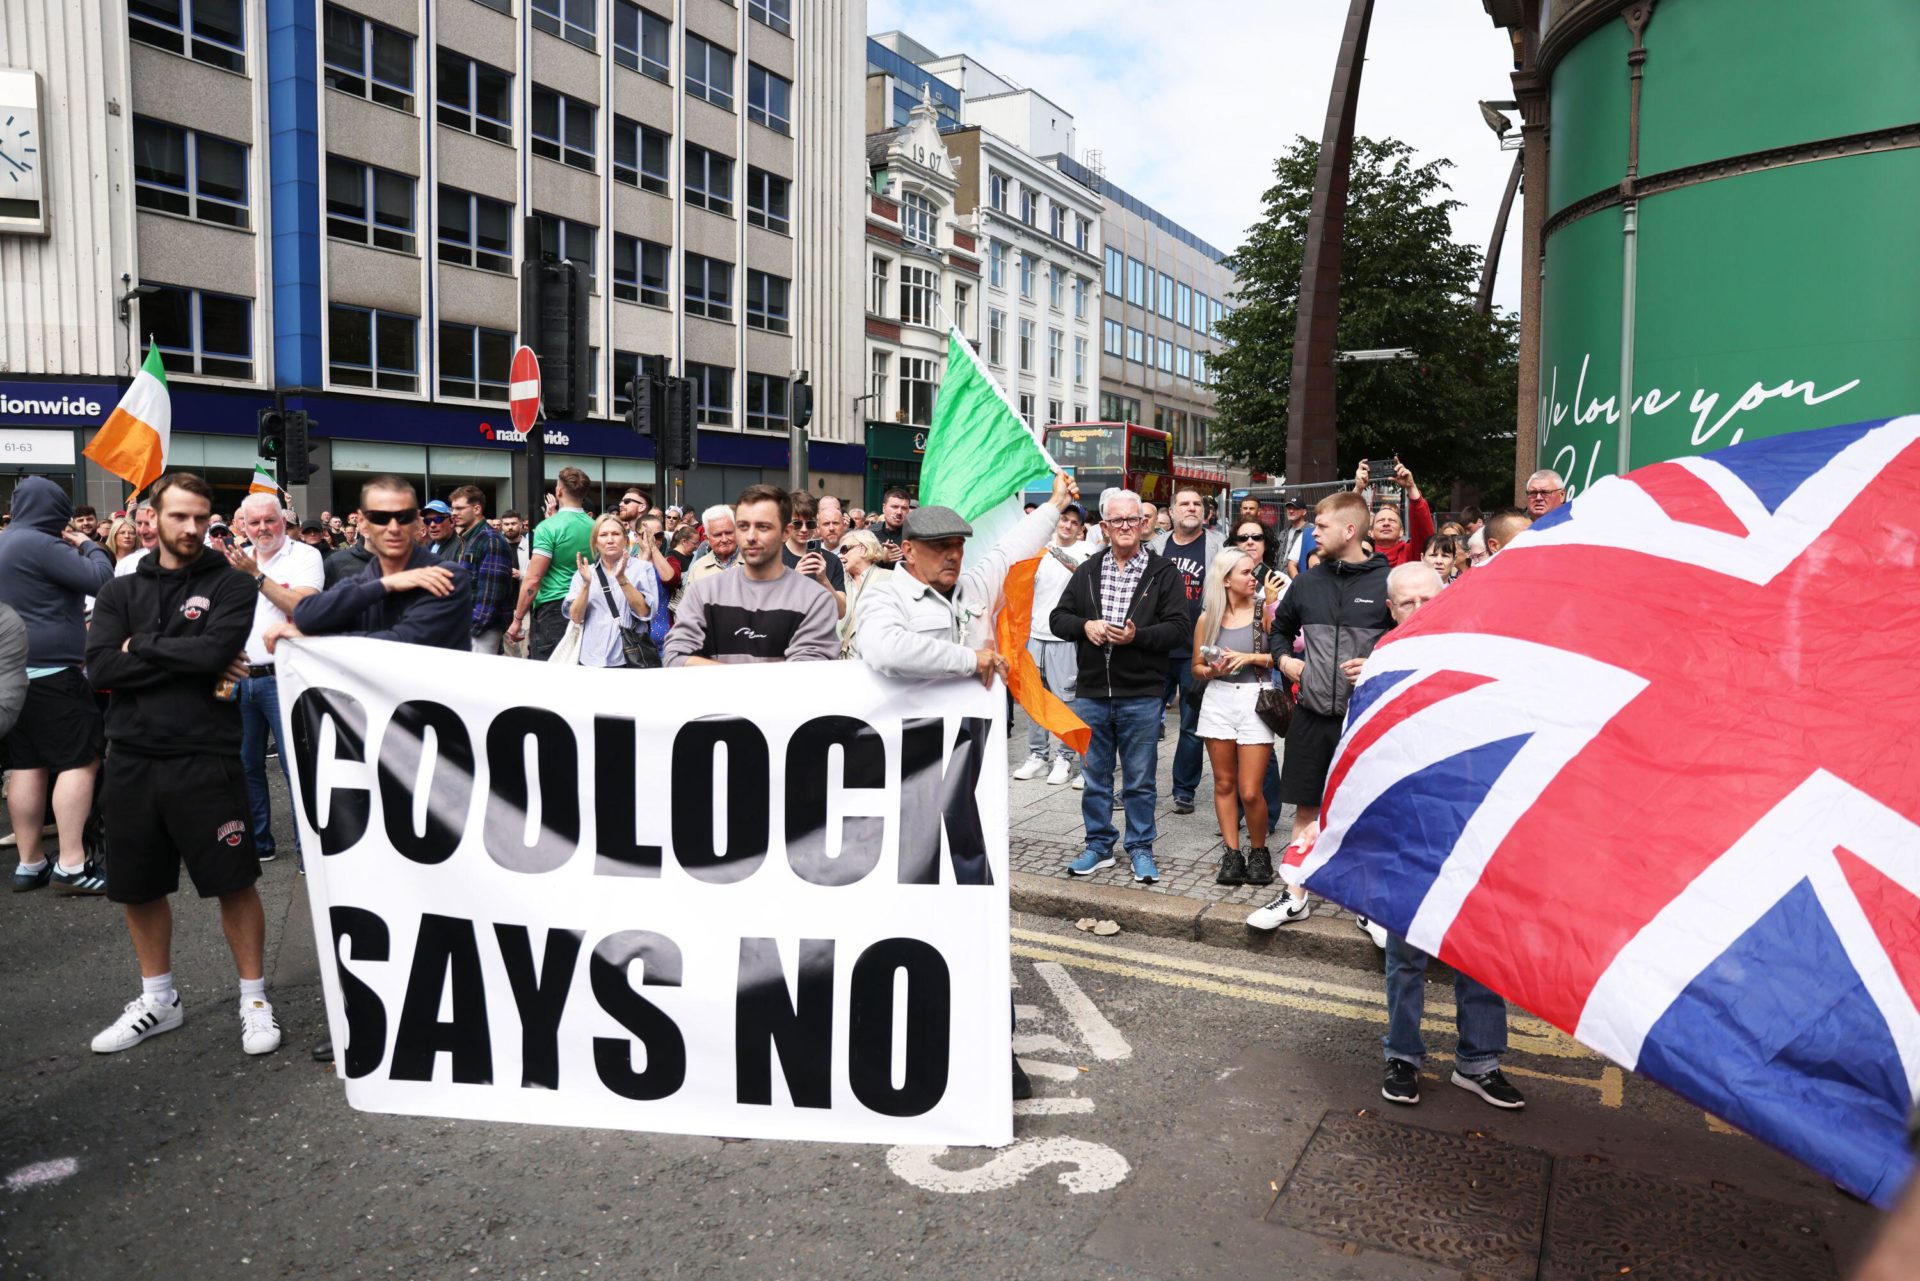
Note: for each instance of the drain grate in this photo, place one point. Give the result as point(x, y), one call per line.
point(1605, 1223)
point(1475, 1204)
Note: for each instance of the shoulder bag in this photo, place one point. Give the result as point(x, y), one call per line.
point(636, 644)
point(1274, 703)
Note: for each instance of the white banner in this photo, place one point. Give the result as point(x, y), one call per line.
point(762, 901)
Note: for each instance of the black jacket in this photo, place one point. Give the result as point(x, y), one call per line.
point(361, 606)
point(346, 563)
point(1158, 612)
point(1341, 608)
point(182, 627)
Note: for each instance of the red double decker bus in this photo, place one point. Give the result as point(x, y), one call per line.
point(1114, 456)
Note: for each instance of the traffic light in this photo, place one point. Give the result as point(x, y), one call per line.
point(296, 465)
point(676, 442)
point(799, 401)
point(641, 411)
point(271, 427)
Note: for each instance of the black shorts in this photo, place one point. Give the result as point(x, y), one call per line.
point(1311, 739)
point(163, 811)
point(60, 725)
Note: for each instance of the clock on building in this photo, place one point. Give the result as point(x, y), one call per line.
point(23, 202)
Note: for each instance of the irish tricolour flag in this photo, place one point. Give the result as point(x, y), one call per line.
point(980, 456)
point(132, 443)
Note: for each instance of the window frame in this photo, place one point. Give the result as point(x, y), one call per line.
point(375, 370)
point(997, 263)
point(707, 411)
point(561, 150)
point(698, 294)
point(561, 13)
point(197, 354)
point(760, 412)
point(1166, 295)
point(879, 277)
point(761, 82)
point(625, 129)
point(763, 216)
point(699, 84)
point(1029, 266)
point(471, 245)
point(702, 197)
point(919, 294)
point(1116, 272)
point(1113, 337)
point(996, 336)
point(189, 190)
point(635, 57)
point(148, 27)
point(496, 129)
point(565, 232)
point(1079, 360)
point(1024, 344)
point(637, 286)
point(404, 239)
point(1056, 353)
point(762, 286)
point(918, 219)
point(768, 13)
point(481, 385)
point(398, 97)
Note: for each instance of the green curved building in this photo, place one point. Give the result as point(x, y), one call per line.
point(1727, 242)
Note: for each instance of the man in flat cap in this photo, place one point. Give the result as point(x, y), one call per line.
point(927, 619)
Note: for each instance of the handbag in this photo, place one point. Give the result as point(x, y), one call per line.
point(566, 651)
point(1274, 703)
point(636, 646)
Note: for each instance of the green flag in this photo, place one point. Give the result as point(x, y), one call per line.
point(979, 454)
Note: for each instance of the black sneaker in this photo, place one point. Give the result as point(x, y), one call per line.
point(1182, 806)
point(1233, 869)
point(1259, 866)
point(24, 880)
point(323, 1051)
point(89, 880)
point(1402, 1084)
point(267, 856)
point(1491, 1086)
point(1022, 1088)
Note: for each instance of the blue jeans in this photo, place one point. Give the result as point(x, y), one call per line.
point(1479, 1012)
point(1126, 729)
point(260, 716)
point(1189, 753)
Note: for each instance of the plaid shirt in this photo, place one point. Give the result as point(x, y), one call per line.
point(490, 562)
point(1118, 583)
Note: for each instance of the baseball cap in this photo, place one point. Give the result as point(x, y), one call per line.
point(1296, 501)
point(438, 507)
point(312, 526)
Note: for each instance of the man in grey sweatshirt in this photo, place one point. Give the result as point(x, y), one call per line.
point(47, 570)
point(759, 611)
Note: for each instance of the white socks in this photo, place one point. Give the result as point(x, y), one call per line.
point(252, 990)
point(159, 989)
point(34, 869)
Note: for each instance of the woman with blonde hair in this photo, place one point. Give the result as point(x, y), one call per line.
point(863, 560)
point(123, 539)
point(1227, 656)
point(614, 592)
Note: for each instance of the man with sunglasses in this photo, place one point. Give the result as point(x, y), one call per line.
point(404, 593)
point(436, 518)
point(1191, 546)
point(812, 563)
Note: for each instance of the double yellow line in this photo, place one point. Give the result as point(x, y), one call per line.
point(1525, 1034)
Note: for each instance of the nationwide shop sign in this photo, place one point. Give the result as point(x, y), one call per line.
point(746, 901)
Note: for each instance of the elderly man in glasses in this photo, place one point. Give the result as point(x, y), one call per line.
point(1545, 491)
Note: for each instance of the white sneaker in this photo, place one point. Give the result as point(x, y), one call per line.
point(1378, 933)
point(1058, 775)
point(1282, 910)
point(259, 1034)
point(1079, 782)
point(1034, 768)
point(140, 1020)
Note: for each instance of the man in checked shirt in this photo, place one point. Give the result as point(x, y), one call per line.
point(490, 563)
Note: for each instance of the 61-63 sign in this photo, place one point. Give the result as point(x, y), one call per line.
point(523, 389)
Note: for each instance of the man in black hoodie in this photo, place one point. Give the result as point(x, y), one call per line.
point(166, 640)
point(47, 570)
point(1125, 609)
point(1340, 607)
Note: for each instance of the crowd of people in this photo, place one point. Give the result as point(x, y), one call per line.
point(150, 641)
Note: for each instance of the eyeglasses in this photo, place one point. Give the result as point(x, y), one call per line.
point(1123, 522)
point(1544, 493)
point(405, 516)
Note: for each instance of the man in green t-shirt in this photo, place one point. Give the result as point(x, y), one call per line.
point(557, 543)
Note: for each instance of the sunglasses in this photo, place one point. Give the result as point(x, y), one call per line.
point(405, 516)
point(435, 518)
point(797, 523)
point(1250, 538)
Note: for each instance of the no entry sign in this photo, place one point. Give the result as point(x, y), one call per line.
point(523, 389)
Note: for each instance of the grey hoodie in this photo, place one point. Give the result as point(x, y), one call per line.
point(45, 580)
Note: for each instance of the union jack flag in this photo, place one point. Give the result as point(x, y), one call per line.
point(1651, 774)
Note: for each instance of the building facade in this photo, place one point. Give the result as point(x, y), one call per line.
point(923, 280)
point(330, 199)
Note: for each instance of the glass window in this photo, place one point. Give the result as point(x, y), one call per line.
point(1029, 206)
point(766, 402)
point(1056, 352)
point(767, 302)
point(1057, 221)
point(709, 180)
point(1082, 230)
point(1201, 305)
point(1136, 346)
point(562, 128)
point(709, 290)
point(1183, 361)
point(997, 264)
point(1026, 346)
point(877, 302)
point(996, 336)
point(919, 294)
point(1166, 295)
point(368, 59)
point(200, 332)
point(768, 197)
point(193, 174)
point(1053, 411)
point(1165, 352)
point(961, 295)
point(642, 40)
point(628, 365)
point(768, 98)
point(997, 190)
point(709, 72)
point(1081, 288)
point(1027, 263)
point(1026, 409)
point(372, 349)
point(368, 205)
point(564, 238)
point(1056, 287)
point(777, 14)
point(209, 31)
point(916, 218)
point(571, 20)
point(474, 97)
point(640, 271)
point(640, 155)
point(474, 361)
point(1115, 269)
point(1080, 362)
point(1112, 338)
point(1137, 283)
point(880, 362)
point(476, 231)
point(917, 389)
point(713, 393)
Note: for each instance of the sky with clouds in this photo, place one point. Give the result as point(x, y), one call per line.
point(1189, 101)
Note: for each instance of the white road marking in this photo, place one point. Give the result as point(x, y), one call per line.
point(1026, 1013)
point(1096, 1167)
point(1101, 1036)
point(42, 1173)
point(1039, 1042)
point(1051, 1071)
point(1051, 1107)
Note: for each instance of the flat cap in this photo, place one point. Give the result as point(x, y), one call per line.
point(928, 523)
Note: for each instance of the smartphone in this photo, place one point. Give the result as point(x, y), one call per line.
point(815, 545)
point(1382, 468)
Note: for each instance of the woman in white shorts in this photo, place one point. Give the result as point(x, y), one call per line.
point(1238, 741)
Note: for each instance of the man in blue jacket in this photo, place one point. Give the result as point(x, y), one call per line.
point(47, 571)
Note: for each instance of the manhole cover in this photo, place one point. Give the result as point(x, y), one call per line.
point(1603, 1222)
point(1475, 1204)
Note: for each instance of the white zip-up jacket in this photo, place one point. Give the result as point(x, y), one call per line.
point(907, 628)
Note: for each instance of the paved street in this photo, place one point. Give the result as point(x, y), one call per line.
point(1201, 1112)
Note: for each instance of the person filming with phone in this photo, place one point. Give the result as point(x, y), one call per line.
point(1390, 540)
point(807, 555)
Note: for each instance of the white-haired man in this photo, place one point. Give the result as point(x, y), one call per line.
point(723, 544)
point(1545, 491)
point(284, 570)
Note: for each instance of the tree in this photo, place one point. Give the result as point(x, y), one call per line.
point(1405, 282)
